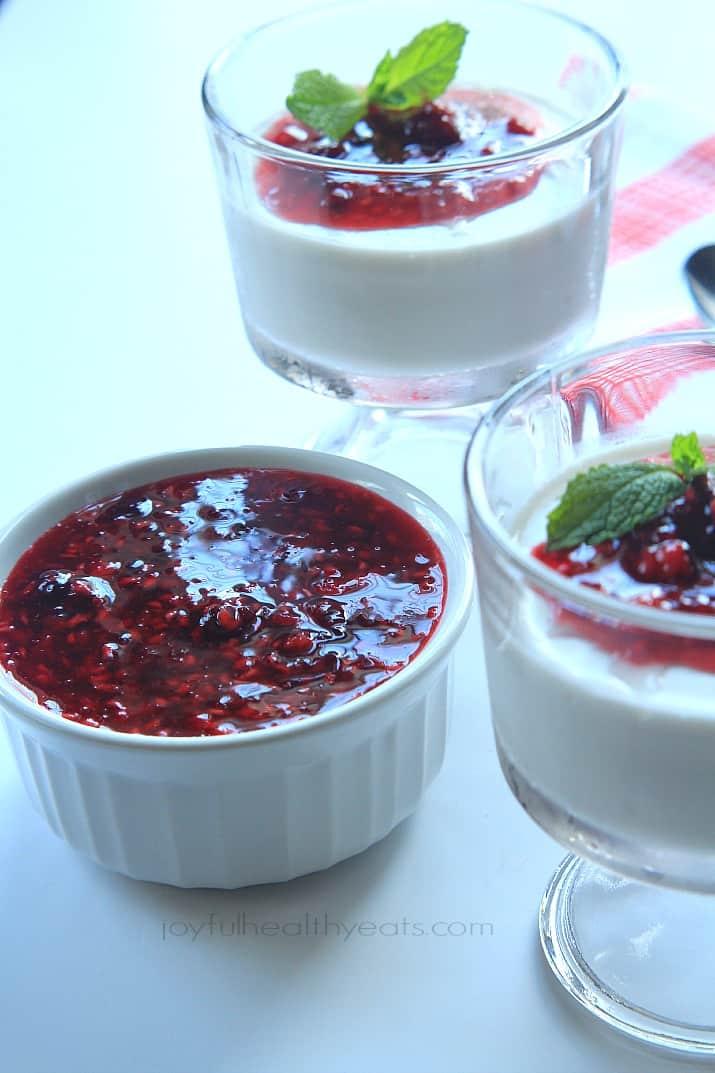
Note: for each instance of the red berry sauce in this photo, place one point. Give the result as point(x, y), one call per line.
point(220, 602)
point(668, 564)
point(468, 125)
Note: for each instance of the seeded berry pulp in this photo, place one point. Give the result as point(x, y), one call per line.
point(467, 125)
point(220, 602)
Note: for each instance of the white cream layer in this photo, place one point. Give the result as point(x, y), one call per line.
point(628, 749)
point(512, 285)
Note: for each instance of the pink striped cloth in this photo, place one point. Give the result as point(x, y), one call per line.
point(656, 207)
point(664, 209)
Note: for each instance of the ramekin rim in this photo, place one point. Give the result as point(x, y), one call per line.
point(458, 563)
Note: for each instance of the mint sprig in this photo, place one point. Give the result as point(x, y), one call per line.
point(419, 72)
point(687, 455)
point(606, 501)
point(378, 83)
point(325, 104)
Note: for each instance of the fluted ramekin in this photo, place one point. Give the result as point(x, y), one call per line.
point(259, 807)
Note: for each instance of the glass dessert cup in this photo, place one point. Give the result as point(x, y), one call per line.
point(603, 710)
point(444, 313)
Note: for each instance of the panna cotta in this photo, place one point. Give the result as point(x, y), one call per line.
point(219, 602)
point(425, 235)
point(397, 277)
point(602, 694)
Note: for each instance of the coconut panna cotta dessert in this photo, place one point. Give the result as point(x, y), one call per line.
point(592, 510)
point(414, 238)
point(603, 711)
point(191, 642)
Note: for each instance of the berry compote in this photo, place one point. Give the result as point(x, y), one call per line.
point(667, 563)
point(220, 602)
point(466, 126)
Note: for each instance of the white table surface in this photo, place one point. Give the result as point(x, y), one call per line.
point(119, 335)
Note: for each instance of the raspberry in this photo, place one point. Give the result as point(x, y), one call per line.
point(327, 613)
point(429, 129)
point(238, 617)
point(284, 617)
point(295, 644)
point(52, 586)
point(693, 519)
point(667, 563)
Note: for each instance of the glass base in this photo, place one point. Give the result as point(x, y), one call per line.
point(412, 388)
point(641, 958)
point(425, 447)
point(650, 860)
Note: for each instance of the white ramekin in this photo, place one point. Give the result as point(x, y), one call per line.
point(259, 807)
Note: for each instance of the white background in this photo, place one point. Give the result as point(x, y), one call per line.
point(119, 335)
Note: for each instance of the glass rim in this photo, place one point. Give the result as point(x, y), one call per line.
point(264, 148)
point(545, 580)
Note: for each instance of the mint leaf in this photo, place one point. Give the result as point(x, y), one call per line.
point(326, 104)
point(605, 502)
point(421, 70)
point(417, 74)
point(687, 455)
point(380, 77)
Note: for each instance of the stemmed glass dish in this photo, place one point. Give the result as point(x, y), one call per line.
point(604, 710)
point(451, 306)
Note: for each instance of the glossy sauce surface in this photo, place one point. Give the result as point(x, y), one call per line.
point(466, 125)
point(221, 602)
point(667, 564)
